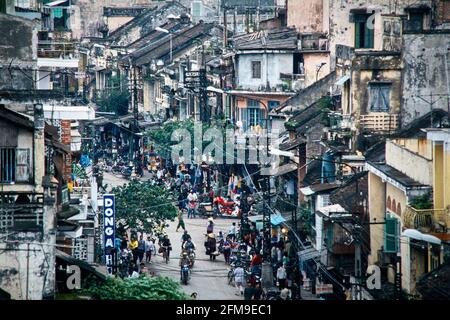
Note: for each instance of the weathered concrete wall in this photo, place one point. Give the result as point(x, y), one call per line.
point(311, 94)
point(421, 146)
point(91, 13)
point(312, 60)
point(376, 211)
point(342, 30)
point(425, 73)
point(411, 164)
point(271, 67)
point(306, 15)
point(18, 52)
point(116, 22)
point(28, 263)
point(368, 68)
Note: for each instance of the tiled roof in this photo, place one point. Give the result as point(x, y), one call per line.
point(161, 48)
point(280, 39)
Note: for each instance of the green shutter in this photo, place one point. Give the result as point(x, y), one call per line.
point(330, 235)
point(368, 37)
point(391, 235)
point(357, 35)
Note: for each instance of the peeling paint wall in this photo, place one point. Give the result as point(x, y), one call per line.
point(91, 13)
point(18, 50)
point(425, 73)
point(306, 15)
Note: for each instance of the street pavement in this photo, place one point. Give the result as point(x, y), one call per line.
point(208, 278)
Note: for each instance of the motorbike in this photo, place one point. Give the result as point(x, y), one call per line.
point(185, 273)
point(125, 259)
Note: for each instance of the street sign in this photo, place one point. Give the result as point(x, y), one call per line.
point(324, 288)
point(109, 225)
point(194, 79)
point(80, 75)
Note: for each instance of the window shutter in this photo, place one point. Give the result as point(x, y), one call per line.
point(22, 165)
point(357, 35)
point(391, 234)
point(368, 35)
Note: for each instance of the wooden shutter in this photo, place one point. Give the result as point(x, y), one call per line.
point(368, 36)
point(391, 234)
point(357, 35)
point(23, 165)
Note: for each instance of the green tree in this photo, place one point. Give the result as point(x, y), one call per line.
point(142, 206)
point(114, 101)
point(142, 288)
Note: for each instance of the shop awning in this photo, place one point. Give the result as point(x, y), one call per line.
point(417, 235)
point(274, 219)
point(277, 220)
point(342, 80)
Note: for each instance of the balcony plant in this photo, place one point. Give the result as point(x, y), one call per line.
point(422, 202)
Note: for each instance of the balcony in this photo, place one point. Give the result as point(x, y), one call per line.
point(56, 49)
point(379, 122)
point(313, 43)
point(21, 211)
point(426, 220)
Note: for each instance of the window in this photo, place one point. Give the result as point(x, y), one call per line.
point(399, 209)
point(388, 203)
point(379, 97)
point(7, 165)
point(414, 22)
point(273, 104)
point(391, 235)
point(15, 165)
point(256, 69)
point(252, 115)
point(363, 32)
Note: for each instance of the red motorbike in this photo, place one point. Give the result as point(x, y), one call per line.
point(224, 207)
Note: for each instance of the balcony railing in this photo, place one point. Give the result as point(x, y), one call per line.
point(426, 220)
point(56, 49)
point(379, 121)
point(21, 211)
point(313, 43)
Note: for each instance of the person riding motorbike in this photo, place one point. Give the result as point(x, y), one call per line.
point(189, 248)
point(166, 245)
point(184, 238)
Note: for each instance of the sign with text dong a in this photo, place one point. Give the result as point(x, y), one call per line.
point(109, 215)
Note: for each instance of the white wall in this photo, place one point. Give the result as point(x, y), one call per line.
point(271, 67)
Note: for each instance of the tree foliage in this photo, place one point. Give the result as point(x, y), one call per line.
point(142, 288)
point(422, 202)
point(143, 206)
point(162, 137)
point(114, 101)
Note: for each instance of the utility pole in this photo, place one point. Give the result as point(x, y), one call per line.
point(225, 32)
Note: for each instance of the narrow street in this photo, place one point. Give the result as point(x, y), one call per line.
point(208, 279)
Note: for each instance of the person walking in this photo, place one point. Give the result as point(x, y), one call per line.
point(141, 248)
point(210, 227)
point(211, 246)
point(133, 246)
point(150, 249)
point(227, 250)
point(124, 243)
point(239, 278)
point(281, 277)
point(232, 231)
point(180, 220)
point(192, 199)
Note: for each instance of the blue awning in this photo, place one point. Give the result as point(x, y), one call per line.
point(277, 220)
